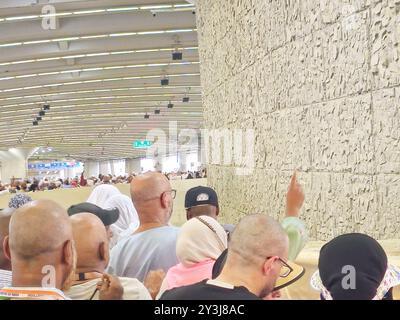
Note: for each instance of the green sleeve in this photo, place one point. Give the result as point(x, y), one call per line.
point(297, 233)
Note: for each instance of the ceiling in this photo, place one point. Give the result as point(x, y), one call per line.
point(100, 72)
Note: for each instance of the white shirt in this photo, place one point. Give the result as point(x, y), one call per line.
point(133, 290)
point(5, 278)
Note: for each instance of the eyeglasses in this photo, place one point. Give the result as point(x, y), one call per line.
point(285, 270)
point(172, 191)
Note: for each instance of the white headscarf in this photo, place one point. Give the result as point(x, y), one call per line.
point(101, 194)
point(200, 239)
point(128, 220)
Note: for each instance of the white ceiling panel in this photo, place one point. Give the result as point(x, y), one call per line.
point(100, 71)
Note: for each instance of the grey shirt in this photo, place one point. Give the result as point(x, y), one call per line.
point(137, 254)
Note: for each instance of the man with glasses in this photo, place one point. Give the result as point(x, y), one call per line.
point(152, 246)
point(256, 265)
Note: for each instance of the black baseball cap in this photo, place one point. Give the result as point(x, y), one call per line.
point(107, 216)
point(199, 196)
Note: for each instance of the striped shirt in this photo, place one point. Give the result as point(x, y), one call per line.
point(32, 293)
point(5, 278)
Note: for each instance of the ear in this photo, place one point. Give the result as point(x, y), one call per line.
point(6, 247)
point(268, 264)
point(188, 214)
point(164, 200)
point(217, 212)
point(68, 253)
point(110, 233)
point(104, 252)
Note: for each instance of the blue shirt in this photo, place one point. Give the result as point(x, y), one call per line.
point(137, 254)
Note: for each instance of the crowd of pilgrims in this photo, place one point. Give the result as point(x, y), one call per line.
point(52, 183)
point(119, 247)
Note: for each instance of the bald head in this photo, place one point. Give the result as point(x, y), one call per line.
point(152, 197)
point(37, 228)
point(41, 236)
point(91, 242)
point(148, 186)
point(257, 237)
point(257, 247)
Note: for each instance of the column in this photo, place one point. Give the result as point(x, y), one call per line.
point(91, 169)
point(104, 167)
point(182, 162)
point(70, 173)
point(14, 163)
point(133, 165)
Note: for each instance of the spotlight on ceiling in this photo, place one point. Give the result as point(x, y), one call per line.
point(185, 99)
point(170, 105)
point(38, 118)
point(157, 111)
point(42, 113)
point(176, 55)
point(46, 107)
point(35, 123)
point(164, 81)
point(146, 116)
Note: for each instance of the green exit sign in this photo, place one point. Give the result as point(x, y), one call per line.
point(142, 144)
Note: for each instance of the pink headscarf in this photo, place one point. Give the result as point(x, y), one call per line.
point(179, 275)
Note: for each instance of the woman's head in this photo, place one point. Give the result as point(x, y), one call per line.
point(101, 194)
point(128, 220)
point(201, 238)
point(354, 267)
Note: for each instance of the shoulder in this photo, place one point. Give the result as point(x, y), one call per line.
point(134, 289)
point(166, 231)
point(183, 293)
point(130, 282)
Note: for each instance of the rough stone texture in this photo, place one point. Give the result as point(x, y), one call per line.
point(319, 82)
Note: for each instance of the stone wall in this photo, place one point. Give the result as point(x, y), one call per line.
point(319, 82)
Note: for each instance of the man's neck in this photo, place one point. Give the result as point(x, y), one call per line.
point(89, 273)
point(86, 269)
point(5, 266)
point(149, 225)
point(29, 280)
point(238, 280)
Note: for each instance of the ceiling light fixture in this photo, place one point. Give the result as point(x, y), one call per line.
point(171, 7)
point(99, 80)
point(165, 81)
point(98, 69)
point(14, 44)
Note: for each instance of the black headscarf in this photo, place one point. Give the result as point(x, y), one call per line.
point(350, 255)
